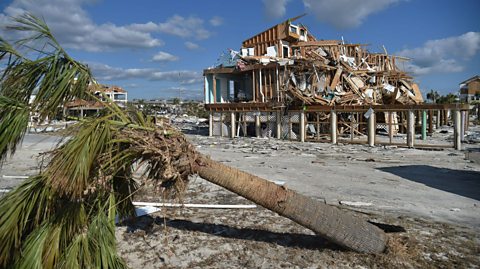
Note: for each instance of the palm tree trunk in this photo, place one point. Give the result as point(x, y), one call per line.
point(340, 227)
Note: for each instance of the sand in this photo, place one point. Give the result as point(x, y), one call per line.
point(429, 200)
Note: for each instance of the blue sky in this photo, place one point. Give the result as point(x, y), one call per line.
point(158, 49)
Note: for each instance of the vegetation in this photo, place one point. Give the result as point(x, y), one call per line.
point(436, 98)
point(433, 96)
point(65, 216)
point(447, 99)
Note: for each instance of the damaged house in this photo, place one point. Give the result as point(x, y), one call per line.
point(286, 83)
point(80, 108)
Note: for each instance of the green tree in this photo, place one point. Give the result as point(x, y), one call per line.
point(176, 101)
point(433, 96)
point(64, 217)
point(448, 99)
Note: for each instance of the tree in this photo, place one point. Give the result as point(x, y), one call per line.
point(433, 96)
point(64, 217)
point(448, 99)
point(176, 101)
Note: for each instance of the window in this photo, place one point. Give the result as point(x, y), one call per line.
point(286, 52)
point(293, 29)
point(120, 97)
point(231, 89)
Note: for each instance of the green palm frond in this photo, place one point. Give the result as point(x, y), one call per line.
point(42, 239)
point(13, 124)
point(22, 210)
point(62, 81)
point(38, 29)
point(74, 166)
point(70, 234)
point(51, 74)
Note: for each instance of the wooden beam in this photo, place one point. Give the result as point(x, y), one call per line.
point(430, 121)
point(271, 106)
point(222, 70)
point(336, 78)
point(270, 83)
point(254, 97)
point(214, 89)
point(317, 43)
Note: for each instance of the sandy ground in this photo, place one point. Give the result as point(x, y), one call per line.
point(428, 199)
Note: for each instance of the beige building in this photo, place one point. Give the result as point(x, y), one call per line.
point(80, 108)
point(470, 90)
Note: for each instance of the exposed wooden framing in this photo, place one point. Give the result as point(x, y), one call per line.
point(277, 86)
point(254, 96)
point(260, 86)
point(390, 126)
point(437, 120)
point(317, 43)
point(214, 89)
point(223, 109)
point(410, 129)
point(343, 108)
point(270, 84)
point(204, 94)
point(430, 121)
point(222, 70)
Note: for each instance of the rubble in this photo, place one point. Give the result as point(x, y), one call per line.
point(336, 79)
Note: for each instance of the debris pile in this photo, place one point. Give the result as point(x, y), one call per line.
point(329, 72)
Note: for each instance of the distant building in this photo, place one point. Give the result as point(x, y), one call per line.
point(470, 90)
point(114, 93)
point(80, 108)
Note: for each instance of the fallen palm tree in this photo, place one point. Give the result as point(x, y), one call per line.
point(64, 217)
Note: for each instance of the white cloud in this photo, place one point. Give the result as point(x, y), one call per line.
point(191, 45)
point(143, 27)
point(216, 21)
point(344, 13)
point(442, 55)
point(184, 27)
point(275, 8)
point(162, 56)
point(131, 86)
point(74, 28)
point(183, 77)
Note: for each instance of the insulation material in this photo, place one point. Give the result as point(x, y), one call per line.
point(272, 51)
